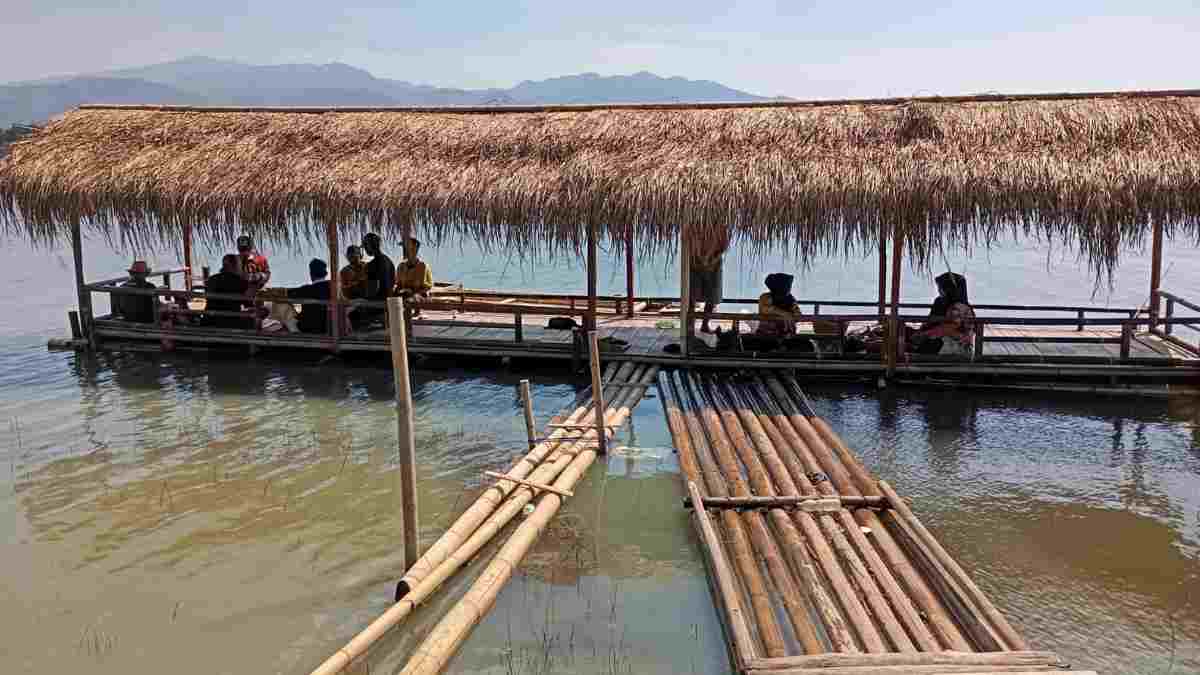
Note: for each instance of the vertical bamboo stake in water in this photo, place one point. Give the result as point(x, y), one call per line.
point(893, 346)
point(592, 279)
point(405, 439)
point(597, 391)
point(527, 405)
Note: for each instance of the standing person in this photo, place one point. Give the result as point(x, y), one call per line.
point(354, 275)
point(136, 308)
point(228, 281)
point(314, 318)
point(414, 279)
point(254, 267)
point(706, 278)
point(381, 279)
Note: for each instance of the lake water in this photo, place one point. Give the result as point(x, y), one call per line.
point(207, 515)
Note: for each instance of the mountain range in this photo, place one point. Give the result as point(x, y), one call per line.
point(209, 81)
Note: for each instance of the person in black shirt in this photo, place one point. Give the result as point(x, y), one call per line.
point(136, 308)
point(381, 278)
point(228, 281)
point(313, 318)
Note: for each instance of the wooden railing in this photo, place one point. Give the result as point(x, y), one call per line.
point(1168, 321)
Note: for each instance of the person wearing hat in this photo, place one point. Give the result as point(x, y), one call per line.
point(136, 308)
point(314, 318)
point(254, 267)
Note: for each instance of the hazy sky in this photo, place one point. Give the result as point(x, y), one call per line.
point(800, 49)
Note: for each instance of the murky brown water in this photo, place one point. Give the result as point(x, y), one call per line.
point(225, 516)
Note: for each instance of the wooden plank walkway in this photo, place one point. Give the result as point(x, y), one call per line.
point(858, 585)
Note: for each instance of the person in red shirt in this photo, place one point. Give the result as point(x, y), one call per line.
point(253, 265)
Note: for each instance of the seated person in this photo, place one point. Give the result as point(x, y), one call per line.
point(229, 281)
point(953, 335)
point(381, 280)
point(952, 288)
point(778, 308)
point(353, 277)
point(414, 279)
point(136, 308)
point(314, 318)
point(253, 265)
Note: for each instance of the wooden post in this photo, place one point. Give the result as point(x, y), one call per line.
point(980, 329)
point(1155, 272)
point(592, 273)
point(893, 346)
point(518, 327)
point(85, 296)
point(629, 271)
point(882, 274)
point(204, 274)
point(406, 441)
point(76, 331)
point(335, 286)
point(527, 406)
point(685, 293)
point(597, 391)
point(187, 256)
point(1080, 327)
point(1170, 315)
point(1126, 339)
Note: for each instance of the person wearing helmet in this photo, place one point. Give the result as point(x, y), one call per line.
point(136, 308)
point(254, 267)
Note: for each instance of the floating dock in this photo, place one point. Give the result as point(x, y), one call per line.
point(817, 566)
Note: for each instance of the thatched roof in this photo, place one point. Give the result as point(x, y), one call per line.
point(1090, 170)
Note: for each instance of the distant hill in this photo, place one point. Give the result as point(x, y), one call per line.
point(208, 81)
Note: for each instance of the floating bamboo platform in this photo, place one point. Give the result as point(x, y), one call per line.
point(856, 585)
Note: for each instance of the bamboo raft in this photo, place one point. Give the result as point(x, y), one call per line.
point(817, 567)
point(552, 467)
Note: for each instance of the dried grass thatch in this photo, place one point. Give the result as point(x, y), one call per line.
point(1091, 171)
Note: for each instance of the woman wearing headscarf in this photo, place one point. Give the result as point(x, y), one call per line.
point(778, 308)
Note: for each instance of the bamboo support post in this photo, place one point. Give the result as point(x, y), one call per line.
point(84, 295)
point(685, 294)
point(892, 348)
point(1155, 271)
point(73, 320)
point(542, 487)
point(594, 360)
point(335, 286)
point(187, 256)
point(629, 298)
point(527, 408)
point(1012, 639)
point(592, 276)
point(882, 274)
point(1126, 339)
point(445, 639)
point(406, 442)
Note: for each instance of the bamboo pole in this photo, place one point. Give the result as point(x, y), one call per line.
point(445, 639)
point(1010, 636)
point(768, 475)
point(84, 295)
point(527, 408)
point(629, 297)
point(742, 646)
point(594, 360)
point(738, 538)
point(685, 293)
point(187, 256)
point(1155, 271)
point(893, 346)
point(335, 286)
point(406, 441)
point(417, 590)
point(793, 474)
point(777, 571)
point(882, 274)
point(491, 498)
point(919, 594)
point(1028, 659)
point(592, 274)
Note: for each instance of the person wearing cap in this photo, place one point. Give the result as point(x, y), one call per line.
point(414, 279)
point(381, 279)
point(254, 267)
point(314, 318)
point(136, 308)
point(354, 275)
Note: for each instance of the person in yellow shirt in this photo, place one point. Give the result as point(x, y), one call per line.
point(353, 276)
point(778, 308)
point(414, 279)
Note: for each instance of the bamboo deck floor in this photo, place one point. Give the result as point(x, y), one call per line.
point(835, 584)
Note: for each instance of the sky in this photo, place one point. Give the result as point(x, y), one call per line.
point(800, 49)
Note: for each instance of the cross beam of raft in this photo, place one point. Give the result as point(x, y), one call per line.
point(784, 502)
